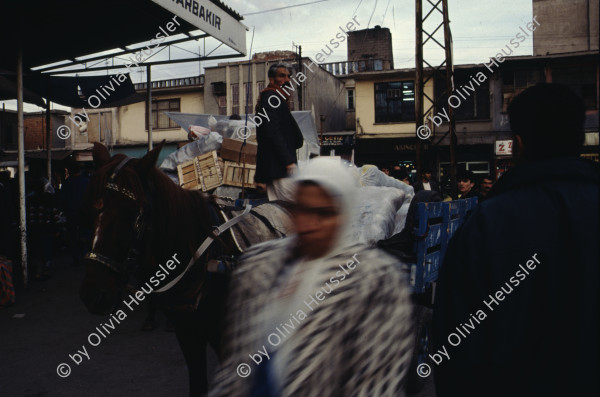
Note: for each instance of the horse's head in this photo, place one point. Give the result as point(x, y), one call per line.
point(121, 205)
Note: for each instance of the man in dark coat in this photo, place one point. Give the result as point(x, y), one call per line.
point(466, 184)
point(516, 309)
point(72, 198)
point(278, 136)
point(426, 182)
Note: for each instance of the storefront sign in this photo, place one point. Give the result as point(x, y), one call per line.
point(210, 18)
point(338, 140)
point(504, 148)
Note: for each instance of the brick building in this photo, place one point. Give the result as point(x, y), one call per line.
point(374, 46)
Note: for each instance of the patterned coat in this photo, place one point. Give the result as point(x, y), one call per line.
point(356, 342)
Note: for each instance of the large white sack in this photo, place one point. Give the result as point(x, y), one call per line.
point(375, 213)
point(204, 144)
point(370, 175)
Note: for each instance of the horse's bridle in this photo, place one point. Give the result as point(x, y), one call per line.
point(126, 268)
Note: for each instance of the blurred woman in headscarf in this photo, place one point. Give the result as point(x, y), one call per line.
point(315, 314)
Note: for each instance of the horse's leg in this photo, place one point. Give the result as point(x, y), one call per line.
point(192, 340)
point(216, 310)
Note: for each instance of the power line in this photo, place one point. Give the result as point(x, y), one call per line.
point(386, 10)
point(283, 8)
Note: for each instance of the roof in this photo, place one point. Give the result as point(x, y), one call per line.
point(53, 31)
point(63, 33)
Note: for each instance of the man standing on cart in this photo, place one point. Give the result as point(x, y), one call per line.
point(278, 136)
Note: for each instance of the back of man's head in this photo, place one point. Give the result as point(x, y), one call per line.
point(549, 120)
point(272, 72)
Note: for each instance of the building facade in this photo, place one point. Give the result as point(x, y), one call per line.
point(233, 88)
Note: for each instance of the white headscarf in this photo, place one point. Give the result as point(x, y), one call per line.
point(340, 181)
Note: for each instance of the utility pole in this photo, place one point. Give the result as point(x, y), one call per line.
point(419, 120)
point(300, 69)
point(443, 72)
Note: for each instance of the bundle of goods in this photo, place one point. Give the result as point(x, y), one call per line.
point(370, 175)
point(235, 166)
point(220, 155)
point(375, 213)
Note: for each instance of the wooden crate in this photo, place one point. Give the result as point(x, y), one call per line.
point(233, 174)
point(203, 172)
point(231, 150)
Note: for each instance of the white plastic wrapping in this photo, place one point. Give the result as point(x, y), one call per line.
point(370, 175)
point(375, 214)
point(204, 144)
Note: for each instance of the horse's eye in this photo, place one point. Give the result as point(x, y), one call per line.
point(99, 205)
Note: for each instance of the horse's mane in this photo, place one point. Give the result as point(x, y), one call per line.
point(180, 217)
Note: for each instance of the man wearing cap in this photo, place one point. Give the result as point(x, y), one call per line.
point(466, 185)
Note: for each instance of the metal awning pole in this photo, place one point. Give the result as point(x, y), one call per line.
point(48, 141)
point(21, 167)
point(149, 91)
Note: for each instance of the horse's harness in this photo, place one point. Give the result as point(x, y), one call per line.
point(129, 266)
point(141, 225)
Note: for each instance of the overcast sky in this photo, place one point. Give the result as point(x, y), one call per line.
point(479, 29)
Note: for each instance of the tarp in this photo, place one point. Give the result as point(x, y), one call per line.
point(303, 118)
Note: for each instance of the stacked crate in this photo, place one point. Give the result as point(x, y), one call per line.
point(235, 167)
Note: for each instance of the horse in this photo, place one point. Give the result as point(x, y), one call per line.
point(147, 226)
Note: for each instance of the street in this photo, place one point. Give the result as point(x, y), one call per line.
point(126, 362)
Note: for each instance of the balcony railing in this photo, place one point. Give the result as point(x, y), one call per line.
point(348, 67)
point(182, 82)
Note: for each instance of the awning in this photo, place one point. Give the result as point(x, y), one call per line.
point(77, 92)
point(55, 31)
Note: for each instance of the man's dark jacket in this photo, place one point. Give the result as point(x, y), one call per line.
point(278, 137)
point(541, 339)
point(418, 186)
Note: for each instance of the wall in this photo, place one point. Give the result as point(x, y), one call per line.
point(323, 93)
point(365, 110)
point(373, 43)
point(131, 127)
point(565, 26)
point(35, 131)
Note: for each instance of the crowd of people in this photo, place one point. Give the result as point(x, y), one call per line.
point(468, 183)
point(54, 220)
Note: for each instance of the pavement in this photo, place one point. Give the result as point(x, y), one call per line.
point(48, 323)
point(49, 326)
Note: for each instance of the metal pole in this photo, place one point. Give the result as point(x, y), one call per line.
point(21, 167)
point(449, 89)
point(300, 71)
point(149, 90)
point(418, 79)
point(48, 141)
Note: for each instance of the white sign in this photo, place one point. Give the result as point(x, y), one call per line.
point(504, 148)
point(211, 19)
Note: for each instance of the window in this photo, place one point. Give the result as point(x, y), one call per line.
point(222, 103)
point(516, 81)
point(582, 80)
point(260, 85)
point(159, 119)
point(248, 98)
point(476, 103)
point(350, 100)
point(395, 102)
point(235, 99)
